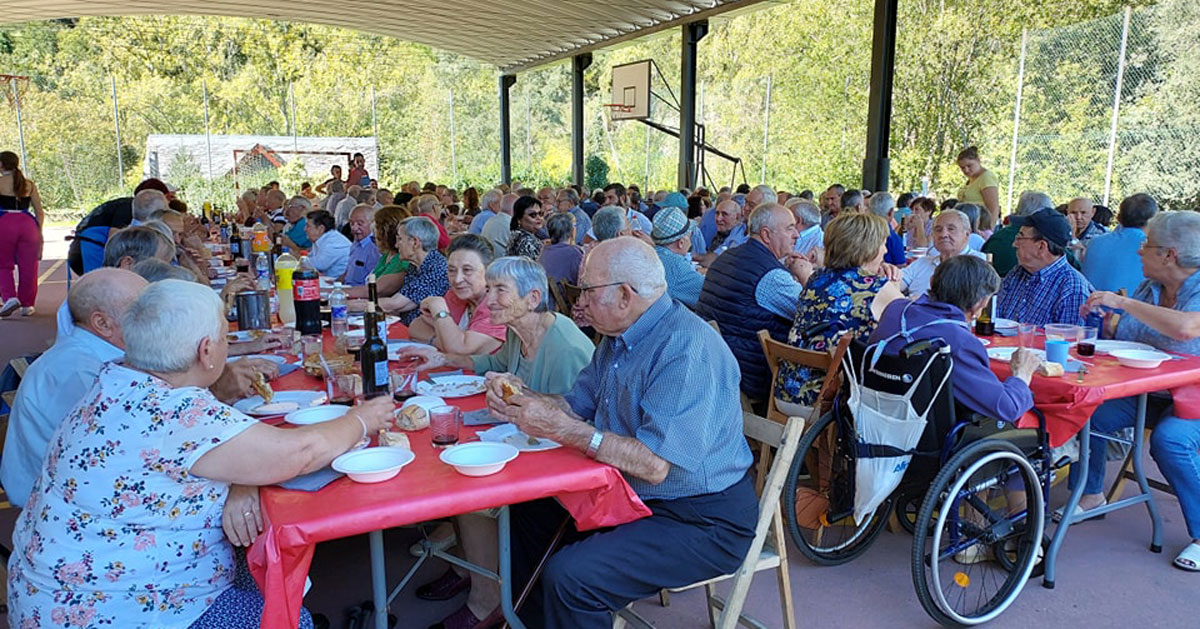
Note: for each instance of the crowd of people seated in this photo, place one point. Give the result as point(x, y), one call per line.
point(122, 434)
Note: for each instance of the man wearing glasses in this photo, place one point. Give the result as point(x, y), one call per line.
point(1043, 288)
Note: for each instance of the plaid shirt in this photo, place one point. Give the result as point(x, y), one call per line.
point(1054, 294)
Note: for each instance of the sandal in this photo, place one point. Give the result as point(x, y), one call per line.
point(444, 587)
point(1057, 515)
point(1189, 558)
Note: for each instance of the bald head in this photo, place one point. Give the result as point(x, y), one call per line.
point(1080, 212)
point(628, 277)
point(146, 203)
point(507, 202)
point(727, 215)
point(100, 298)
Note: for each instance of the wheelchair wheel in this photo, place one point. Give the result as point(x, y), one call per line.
point(819, 503)
point(908, 505)
point(982, 547)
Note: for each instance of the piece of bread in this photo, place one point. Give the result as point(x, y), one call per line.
point(262, 387)
point(393, 438)
point(508, 390)
point(1050, 370)
point(412, 417)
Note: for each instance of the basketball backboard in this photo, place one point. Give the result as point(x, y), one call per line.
point(631, 90)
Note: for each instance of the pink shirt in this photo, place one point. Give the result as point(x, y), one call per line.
point(480, 321)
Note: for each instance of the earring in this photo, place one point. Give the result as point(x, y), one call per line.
point(210, 366)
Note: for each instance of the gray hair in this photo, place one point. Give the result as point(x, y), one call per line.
point(154, 270)
point(161, 228)
point(146, 203)
point(99, 291)
point(962, 216)
point(165, 325)
point(762, 217)
point(159, 215)
point(525, 274)
point(559, 227)
point(421, 228)
point(572, 196)
point(1032, 201)
point(881, 204)
point(138, 243)
point(1179, 231)
point(971, 211)
point(300, 201)
point(963, 281)
point(768, 194)
point(804, 210)
point(490, 198)
point(633, 262)
point(1137, 210)
point(608, 222)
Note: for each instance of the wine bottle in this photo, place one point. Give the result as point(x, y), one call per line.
point(373, 358)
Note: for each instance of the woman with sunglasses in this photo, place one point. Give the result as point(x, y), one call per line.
point(526, 223)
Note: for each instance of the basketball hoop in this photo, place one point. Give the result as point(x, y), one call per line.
point(621, 107)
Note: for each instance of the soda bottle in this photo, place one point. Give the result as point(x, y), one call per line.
point(260, 240)
point(339, 313)
point(307, 298)
point(284, 267)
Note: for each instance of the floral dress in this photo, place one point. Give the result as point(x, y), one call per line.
point(840, 296)
point(116, 532)
point(523, 243)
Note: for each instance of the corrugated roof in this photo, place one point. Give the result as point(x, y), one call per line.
point(510, 34)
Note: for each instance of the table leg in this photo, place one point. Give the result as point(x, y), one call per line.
point(1060, 533)
point(1139, 433)
point(506, 588)
point(378, 579)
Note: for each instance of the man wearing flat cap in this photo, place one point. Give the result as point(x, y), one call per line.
point(672, 241)
point(1043, 288)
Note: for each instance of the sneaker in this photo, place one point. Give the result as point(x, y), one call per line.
point(971, 555)
point(1057, 514)
point(10, 307)
point(27, 311)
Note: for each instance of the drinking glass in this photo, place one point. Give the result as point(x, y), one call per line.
point(340, 387)
point(444, 422)
point(1087, 340)
point(404, 382)
point(1026, 334)
point(1062, 332)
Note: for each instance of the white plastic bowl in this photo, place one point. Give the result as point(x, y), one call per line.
point(479, 458)
point(424, 401)
point(315, 414)
point(373, 465)
point(1140, 358)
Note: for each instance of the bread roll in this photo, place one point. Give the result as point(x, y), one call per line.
point(393, 438)
point(412, 417)
point(1050, 370)
point(508, 390)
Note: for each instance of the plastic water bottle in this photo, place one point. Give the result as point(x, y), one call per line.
point(339, 313)
point(262, 277)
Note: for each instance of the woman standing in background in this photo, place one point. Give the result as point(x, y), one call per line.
point(20, 237)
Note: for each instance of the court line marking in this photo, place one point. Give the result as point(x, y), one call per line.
point(50, 271)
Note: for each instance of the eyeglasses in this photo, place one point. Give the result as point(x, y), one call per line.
point(584, 289)
point(533, 214)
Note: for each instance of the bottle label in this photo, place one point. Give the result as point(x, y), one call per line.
point(339, 312)
point(381, 375)
point(307, 290)
point(261, 243)
point(283, 279)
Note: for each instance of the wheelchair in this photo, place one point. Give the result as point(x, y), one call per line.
point(973, 493)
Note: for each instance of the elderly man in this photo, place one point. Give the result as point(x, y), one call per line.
point(330, 250)
point(951, 234)
point(269, 208)
point(679, 446)
point(1000, 245)
point(87, 249)
point(831, 203)
point(1043, 288)
point(294, 234)
point(341, 212)
point(882, 204)
point(568, 203)
point(489, 207)
point(757, 196)
point(672, 241)
point(496, 229)
point(748, 289)
point(731, 231)
point(808, 225)
point(364, 253)
point(1112, 262)
point(1080, 212)
point(853, 201)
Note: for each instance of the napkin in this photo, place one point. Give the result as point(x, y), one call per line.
point(313, 481)
point(480, 417)
point(287, 368)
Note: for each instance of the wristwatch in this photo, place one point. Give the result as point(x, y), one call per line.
point(441, 315)
point(594, 445)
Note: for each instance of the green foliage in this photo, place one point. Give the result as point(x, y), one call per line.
point(595, 172)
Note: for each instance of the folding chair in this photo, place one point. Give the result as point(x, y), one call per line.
point(768, 550)
point(1126, 474)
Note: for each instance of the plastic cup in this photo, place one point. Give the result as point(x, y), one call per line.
point(404, 381)
point(1026, 335)
point(1087, 340)
point(444, 422)
point(1056, 351)
point(1062, 332)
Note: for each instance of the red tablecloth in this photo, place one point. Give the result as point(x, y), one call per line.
point(1068, 404)
point(595, 494)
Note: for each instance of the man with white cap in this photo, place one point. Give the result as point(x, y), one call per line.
point(672, 241)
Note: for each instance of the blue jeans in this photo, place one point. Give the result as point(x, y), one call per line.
point(1174, 444)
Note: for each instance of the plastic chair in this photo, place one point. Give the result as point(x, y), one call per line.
point(768, 550)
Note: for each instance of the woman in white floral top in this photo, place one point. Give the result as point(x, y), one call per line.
point(123, 527)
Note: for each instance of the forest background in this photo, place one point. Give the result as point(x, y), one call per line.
point(783, 86)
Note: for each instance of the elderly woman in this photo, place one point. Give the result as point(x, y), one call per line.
point(849, 293)
point(547, 351)
point(330, 249)
point(523, 227)
point(562, 257)
point(123, 526)
point(918, 226)
point(416, 242)
point(1156, 315)
point(430, 207)
point(392, 267)
point(460, 322)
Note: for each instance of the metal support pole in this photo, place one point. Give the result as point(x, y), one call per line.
point(292, 99)
point(647, 178)
point(579, 63)
point(1116, 109)
point(766, 130)
point(879, 103)
point(20, 127)
point(1012, 158)
point(375, 133)
point(453, 143)
point(506, 83)
point(692, 34)
point(117, 125)
point(207, 130)
point(528, 135)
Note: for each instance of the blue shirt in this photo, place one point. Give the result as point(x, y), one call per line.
point(297, 234)
point(699, 244)
point(895, 249)
point(975, 386)
point(1130, 328)
point(583, 224)
point(737, 236)
point(779, 292)
point(477, 222)
point(809, 239)
point(330, 254)
point(364, 255)
point(52, 386)
point(683, 282)
point(708, 224)
point(1052, 295)
point(1112, 260)
point(670, 382)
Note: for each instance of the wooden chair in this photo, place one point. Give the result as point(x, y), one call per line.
point(570, 293)
point(560, 301)
point(768, 550)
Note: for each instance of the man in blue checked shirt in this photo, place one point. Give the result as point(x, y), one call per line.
point(660, 402)
point(1043, 288)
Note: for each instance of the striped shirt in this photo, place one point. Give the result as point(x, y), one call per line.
point(1054, 294)
point(670, 382)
